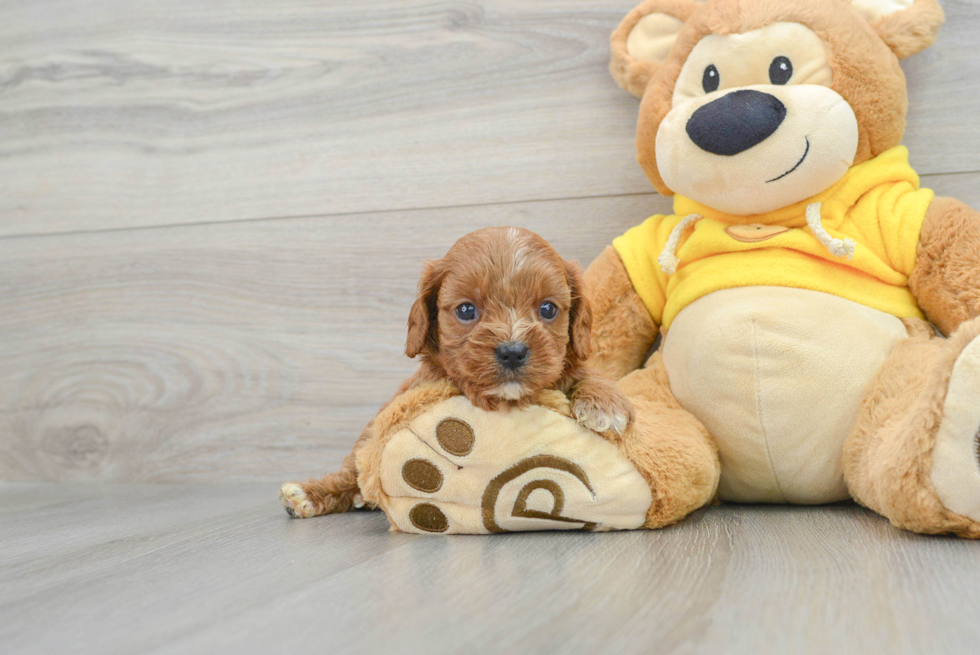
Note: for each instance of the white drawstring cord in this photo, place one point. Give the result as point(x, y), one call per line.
point(668, 258)
point(837, 247)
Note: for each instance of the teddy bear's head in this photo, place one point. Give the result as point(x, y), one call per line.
point(753, 105)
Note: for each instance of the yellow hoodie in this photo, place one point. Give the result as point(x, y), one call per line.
point(860, 243)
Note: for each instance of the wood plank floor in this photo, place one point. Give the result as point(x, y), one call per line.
point(220, 568)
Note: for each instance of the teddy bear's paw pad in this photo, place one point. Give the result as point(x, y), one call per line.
point(459, 469)
point(295, 502)
point(956, 456)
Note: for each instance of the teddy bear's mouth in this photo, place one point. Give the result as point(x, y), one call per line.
point(798, 164)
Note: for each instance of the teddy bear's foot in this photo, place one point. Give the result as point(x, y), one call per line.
point(956, 455)
point(913, 455)
point(459, 469)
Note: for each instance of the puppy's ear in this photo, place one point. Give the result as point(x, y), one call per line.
point(906, 26)
point(580, 314)
point(422, 318)
point(643, 40)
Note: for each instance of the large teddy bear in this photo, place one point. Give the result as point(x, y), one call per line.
point(792, 287)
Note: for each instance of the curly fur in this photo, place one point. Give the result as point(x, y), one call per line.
point(506, 273)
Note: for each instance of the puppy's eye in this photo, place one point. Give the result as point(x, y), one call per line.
point(711, 79)
point(466, 312)
point(780, 71)
point(548, 310)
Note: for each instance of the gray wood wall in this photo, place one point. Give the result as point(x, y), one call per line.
point(212, 215)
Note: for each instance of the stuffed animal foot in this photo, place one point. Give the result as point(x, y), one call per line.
point(913, 455)
point(956, 455)
point(456, 469)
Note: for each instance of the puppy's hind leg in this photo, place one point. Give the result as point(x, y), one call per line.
point(332, 494)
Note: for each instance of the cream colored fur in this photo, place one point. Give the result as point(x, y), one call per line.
point(610, 495)
point(777, 385)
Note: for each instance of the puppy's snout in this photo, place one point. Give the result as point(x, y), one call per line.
point(512, 355)
point(736, 122)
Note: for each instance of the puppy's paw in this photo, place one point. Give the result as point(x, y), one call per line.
point(602, 408)
point(295, 501)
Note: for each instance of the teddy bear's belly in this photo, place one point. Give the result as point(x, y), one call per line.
point(777, 376)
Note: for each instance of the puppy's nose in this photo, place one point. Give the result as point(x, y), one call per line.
point(512, 354)
point(736, 122)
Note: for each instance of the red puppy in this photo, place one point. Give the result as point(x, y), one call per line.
point(501, 316)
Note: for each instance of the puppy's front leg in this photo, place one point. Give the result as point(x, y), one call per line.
point(331, 494)
point(599, 405)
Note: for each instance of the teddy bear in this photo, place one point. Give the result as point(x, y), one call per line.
point(817, 310)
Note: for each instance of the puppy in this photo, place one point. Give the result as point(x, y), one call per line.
point(501, 316)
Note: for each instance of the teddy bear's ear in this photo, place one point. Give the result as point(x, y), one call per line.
point(906, 26)
point(643, 40)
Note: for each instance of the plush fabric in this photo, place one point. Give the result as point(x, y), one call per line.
point(796, 365)
point(866, 70)
point(777, 385)
point(634, 73)
point(888, 457)
point(622, 340)
point(878, 204)
point(454, 468)
point(946, 277)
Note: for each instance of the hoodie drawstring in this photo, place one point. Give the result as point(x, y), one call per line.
point(668, 258)
point(837, 247)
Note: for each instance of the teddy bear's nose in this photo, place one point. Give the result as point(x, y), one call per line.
point(736, 122)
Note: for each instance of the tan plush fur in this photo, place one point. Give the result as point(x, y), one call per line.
point(624, 332)
point(946, 277)
point(888, 456)
point(669, 447)
point(913, 30)
point(405, 408)
point(631, 74)
point(866, 70)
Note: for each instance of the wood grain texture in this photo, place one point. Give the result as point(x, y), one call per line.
point(228, 351)
point(119, 114)
point(206, 569)
point(236, 351)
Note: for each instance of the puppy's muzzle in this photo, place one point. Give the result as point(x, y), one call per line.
point(512, 355)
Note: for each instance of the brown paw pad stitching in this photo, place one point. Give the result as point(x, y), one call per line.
point(456, 437)
point(976, 447)
point(422, 475)
point(428, 517)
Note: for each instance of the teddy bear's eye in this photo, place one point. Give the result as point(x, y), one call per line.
point(781, 70)
point(466, 312)
point(711, 79)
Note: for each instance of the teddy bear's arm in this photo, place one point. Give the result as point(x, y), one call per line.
point(623, 330)
point(946, 277)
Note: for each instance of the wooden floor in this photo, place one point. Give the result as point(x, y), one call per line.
point(212, 219)
point(221, 569)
